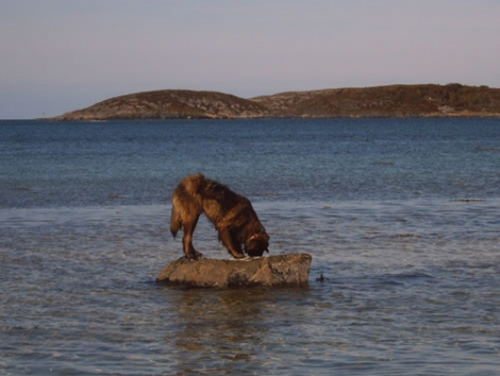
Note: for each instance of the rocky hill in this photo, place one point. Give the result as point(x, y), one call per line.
point(170, 104)
point(382, 101)
point(387, 101)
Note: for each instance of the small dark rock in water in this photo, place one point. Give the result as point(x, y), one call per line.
point(322, 278)
point(281, 270)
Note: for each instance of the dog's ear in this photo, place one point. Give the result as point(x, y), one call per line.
point(262, 236)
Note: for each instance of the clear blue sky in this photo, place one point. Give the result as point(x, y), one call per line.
point(60, 55)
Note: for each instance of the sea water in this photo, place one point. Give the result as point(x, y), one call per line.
point(401, 217)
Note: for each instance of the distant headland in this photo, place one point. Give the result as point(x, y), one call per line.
point(429, 100)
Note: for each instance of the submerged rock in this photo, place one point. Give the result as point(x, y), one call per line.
point(281, 270)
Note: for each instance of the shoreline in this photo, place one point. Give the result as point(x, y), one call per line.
point(190, 118)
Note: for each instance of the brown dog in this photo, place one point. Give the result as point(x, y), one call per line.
point(232, 214)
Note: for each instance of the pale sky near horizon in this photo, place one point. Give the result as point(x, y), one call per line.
point(61, 55)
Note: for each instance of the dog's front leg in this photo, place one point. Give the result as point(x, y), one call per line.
point(232, 246)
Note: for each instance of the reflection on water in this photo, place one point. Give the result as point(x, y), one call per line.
point(219, 330)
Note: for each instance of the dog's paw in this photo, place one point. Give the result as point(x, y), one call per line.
point(195, 255)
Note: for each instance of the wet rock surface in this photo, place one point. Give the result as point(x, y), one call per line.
point(281, 270)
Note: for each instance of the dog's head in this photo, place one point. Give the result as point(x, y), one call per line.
point(257, 244)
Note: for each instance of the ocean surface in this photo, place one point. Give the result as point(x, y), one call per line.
point(401, 217)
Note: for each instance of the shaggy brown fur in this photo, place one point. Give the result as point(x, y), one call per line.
point(232, 214)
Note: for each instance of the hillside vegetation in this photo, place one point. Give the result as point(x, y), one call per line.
point(381, 101)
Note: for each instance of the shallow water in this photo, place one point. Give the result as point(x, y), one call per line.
point(412, 264)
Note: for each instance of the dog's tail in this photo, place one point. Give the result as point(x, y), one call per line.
point(175, 220)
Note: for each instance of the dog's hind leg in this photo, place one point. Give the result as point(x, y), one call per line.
point(187, 239)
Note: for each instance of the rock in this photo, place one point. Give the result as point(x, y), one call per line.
point(281, 270)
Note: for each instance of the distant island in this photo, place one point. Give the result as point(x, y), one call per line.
point(452, 100)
